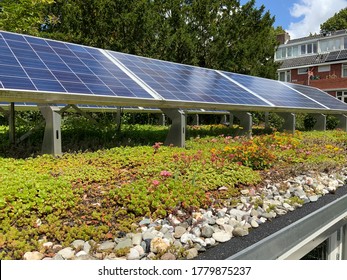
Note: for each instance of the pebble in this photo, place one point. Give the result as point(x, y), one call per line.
point(221, 236)
point(205, 228)
point(67, 253)
point(32, 256)
point(106, 246)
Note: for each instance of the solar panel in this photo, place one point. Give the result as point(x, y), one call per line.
point(332, 56)
point(35, 64)
point(342, 54)
point(274, 91)
point(320, 96)
point(186, 83)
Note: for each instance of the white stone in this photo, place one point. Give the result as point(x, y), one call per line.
point(186, 237)
point(67, 253)
point(140, 249)
point(81, 253)
point(221, 236)
point(137, 238)
point(133, 254)
point(32, 256)
point(78, 244)
point(47, 245)
point(210, 241)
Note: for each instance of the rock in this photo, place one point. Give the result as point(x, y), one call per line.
point(158, 245)
point(78, 244)
point(106, 246)
point(85, 257)
point(81, 253)
point(240, 231)
point(313, 198)
point(245, 192)
point(207, 231)
point(144, 222)
point(168, 257)
point(186, 237)
point(210, 241)
point(179, 231)
point(227, 228)
point(133, 254)
point(199, 240)
point(58, 257)
point(33, 256)
point(196, 231)
point(221, 221)
point(254, 223)
point(140, 249)
point(127, 243)
point(48, 245)
point(288, 206)
point(87, 246)
point(221, 236)
point(67, 253)
point(148, 235)
point(56, 248)
point(210, 221)
point(137, 238)
point(191, 253)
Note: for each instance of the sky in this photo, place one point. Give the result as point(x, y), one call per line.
point(301, 17)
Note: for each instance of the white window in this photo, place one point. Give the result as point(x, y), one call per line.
point(344, 70)
point(342, 95)
point(324, 68)
point(284, 76)
point(302, 71)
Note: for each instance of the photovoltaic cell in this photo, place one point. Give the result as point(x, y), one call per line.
point(274, 91)
point(186, 83)
point(320, 96)
point(35, 64)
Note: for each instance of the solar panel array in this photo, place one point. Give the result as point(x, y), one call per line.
point(35, 64)
point(279, 94)
point(30, 64)
point(187, 83)
point(320, 96)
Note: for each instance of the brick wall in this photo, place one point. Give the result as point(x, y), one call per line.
point(327, 80)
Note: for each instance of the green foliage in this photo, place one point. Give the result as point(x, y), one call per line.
point(95, 195)
point(208, 33)
point(25, 16)
point(336, 22)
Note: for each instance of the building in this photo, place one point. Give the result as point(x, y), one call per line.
point(317, 60)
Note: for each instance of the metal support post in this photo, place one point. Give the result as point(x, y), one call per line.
point(267, 120)
point(177, 132)
point(321, 122)
point(196, 119)
point(246, 122)
point(162, 119)
point(52, 137)
point(289, 122)
point(12, 124)
point(224, 120)
point(119, 118)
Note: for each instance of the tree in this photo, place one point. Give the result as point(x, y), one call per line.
point(219, 34)
point(336, 22)
point(25, 16)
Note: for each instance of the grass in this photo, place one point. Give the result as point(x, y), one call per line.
point(98, 193)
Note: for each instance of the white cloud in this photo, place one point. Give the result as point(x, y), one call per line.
point(311, 14)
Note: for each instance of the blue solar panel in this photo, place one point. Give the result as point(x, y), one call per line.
point(187, 83)
point(274, 91)
point(35, 64)
point(320, 96)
